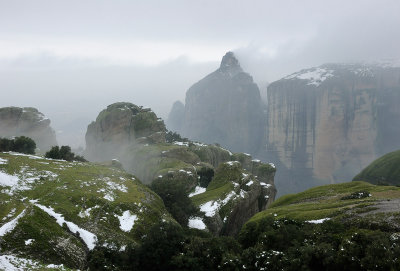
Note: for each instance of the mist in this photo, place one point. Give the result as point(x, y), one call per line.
point(72, 59)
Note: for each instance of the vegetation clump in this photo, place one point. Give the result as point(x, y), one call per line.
point(64, 153)
point(20, 144)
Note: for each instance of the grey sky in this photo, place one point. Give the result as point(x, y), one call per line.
point(72, 58)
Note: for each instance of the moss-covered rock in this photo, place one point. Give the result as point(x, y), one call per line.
point(120, 125)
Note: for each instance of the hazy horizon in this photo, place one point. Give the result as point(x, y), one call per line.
point(71, 59)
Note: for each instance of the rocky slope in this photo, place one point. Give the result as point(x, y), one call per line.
point(325, 124)
point(225, 107)
point(151, 159)
point(27, 121)
point(384, 170)
point(54, 212)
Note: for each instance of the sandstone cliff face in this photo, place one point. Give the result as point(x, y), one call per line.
point(27, 121)
point(325, 124)
point(225, 107)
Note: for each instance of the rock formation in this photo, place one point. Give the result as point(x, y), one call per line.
point(27, 121)
point(225, 107)
point(119, 126)
point(237, 192)
point(325, 124)
point(176, 117)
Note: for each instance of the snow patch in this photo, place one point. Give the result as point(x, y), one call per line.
point(181, 143)
point(127, 221)
point(3, 161)
point(9, 226)
point(89, 238)
point(318, 221)
point(197, 190)
point(196, 223)
point(29, 241)
point(249, 183)
point(314, 76)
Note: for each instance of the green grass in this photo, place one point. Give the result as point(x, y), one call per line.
point(384, 170)
point(325, 201)
point(75, 188)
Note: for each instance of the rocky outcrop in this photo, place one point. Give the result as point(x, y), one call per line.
point(27, 121)
point(325, 124)
point(176, 117)
point(119, 126)
point(225, 107)
point(235, 195)
point(238, 190)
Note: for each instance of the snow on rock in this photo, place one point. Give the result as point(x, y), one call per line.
point(318, 221)
point(210, 208)
point(196, 223)
point(272, 165)
point(9, 226)
point(89, 238)
point(197, 190)
point(3, 161)
point(315, 76)
point(256, 160)
point(127, 221)
point(265, 184)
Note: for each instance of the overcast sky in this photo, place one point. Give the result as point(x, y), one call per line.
point(72, 58)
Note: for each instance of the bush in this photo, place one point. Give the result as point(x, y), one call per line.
point(174, 193)
point(63, 153)
point(21, 144)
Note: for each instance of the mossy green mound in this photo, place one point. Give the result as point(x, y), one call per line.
point(66, 209)
point(384, 170)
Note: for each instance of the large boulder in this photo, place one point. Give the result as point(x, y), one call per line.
point(27, 121)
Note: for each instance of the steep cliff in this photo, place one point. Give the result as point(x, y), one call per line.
point(27, 121)
point(325, 124)
point(225, 107)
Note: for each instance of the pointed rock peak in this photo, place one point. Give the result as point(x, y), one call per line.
point(229, 61)
point(230, 65)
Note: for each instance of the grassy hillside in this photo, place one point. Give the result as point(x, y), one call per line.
point(56, 212)
point(385, 170)
point(330, 201)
